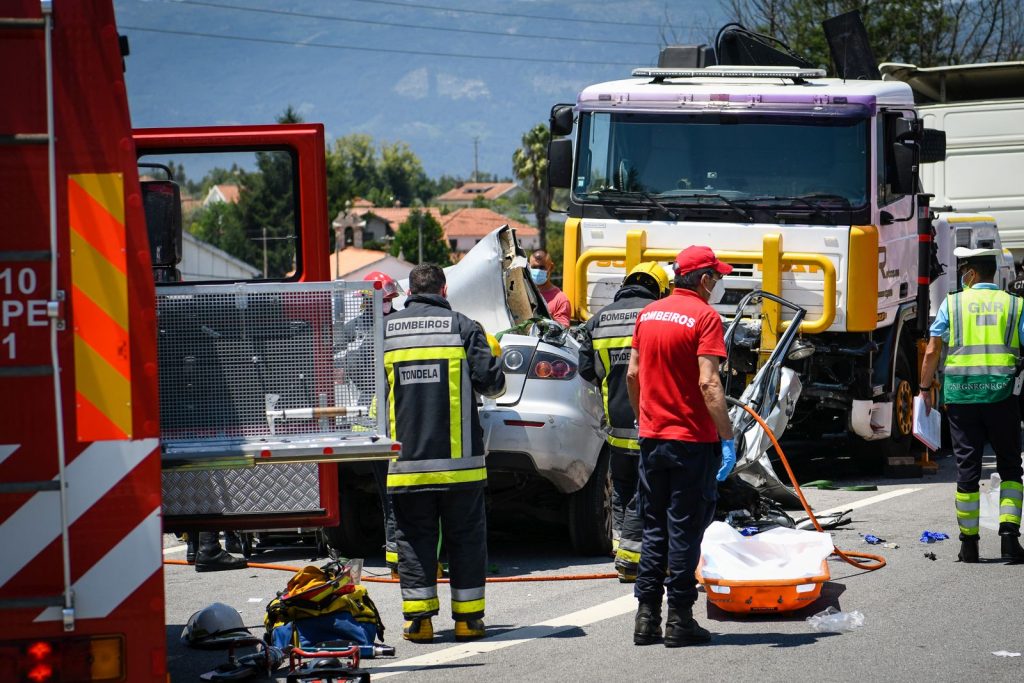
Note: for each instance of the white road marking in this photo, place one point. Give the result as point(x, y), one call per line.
point(174, 549)
point(584, 617)
point(888, 495)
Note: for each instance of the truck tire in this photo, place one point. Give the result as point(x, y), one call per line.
point(904, 382)
point(360, 529)
point(590, 512)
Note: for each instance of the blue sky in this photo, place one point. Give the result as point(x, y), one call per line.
point(386, 67)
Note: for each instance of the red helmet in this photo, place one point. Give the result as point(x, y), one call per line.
point(387, 283)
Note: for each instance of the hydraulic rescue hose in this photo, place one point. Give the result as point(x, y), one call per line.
point(847, 556)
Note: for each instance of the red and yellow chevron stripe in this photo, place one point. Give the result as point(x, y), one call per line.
point(99, 300)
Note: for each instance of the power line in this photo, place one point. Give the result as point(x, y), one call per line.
point(422, 53)
point(372, 22)
point(410, 5)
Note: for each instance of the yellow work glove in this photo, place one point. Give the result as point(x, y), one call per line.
point(492, 341)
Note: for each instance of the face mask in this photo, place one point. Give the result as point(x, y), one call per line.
point(539, 275)
point(964, 284)
point(716, 292)
point(387, 307)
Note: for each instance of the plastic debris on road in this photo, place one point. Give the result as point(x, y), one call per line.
point(832, 620)
point(1004, 653)
point(931, 556)
point(891, 546)
point(872, 539)
point(933, 536)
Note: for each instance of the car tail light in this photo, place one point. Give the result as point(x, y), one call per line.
point(549, 366)
point(78, 660)
point(514, 359)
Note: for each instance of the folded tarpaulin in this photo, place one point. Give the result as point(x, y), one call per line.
point(774, 554)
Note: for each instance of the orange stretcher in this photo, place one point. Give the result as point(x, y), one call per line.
point(763, 595)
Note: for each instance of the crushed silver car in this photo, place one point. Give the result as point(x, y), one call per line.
point(546, 449)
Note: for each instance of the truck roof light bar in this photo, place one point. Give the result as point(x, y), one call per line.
point(796, 74)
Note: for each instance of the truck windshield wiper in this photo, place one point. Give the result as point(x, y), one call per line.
point(611, 192)
point(816, 209)
point(677, 201)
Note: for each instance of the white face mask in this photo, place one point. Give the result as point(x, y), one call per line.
point(715, 295)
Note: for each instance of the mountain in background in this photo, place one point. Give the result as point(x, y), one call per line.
point(350, 67)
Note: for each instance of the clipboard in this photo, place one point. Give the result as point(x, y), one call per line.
point(927, 428)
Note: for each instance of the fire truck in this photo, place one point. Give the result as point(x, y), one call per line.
point(809, 186)
point(134, 401)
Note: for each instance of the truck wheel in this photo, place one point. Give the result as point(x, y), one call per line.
point(360, 530)
point(590, 512)
point(904, 380)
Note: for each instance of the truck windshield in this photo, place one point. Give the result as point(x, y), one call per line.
point(749, 157)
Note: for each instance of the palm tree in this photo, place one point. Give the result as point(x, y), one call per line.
point(530, 165)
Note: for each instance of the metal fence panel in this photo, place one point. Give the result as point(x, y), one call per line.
point(270, 368)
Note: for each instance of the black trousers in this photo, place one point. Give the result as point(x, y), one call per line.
point(678, 492)
point(971, 425)
point(625, 471)
point(380, 478)
point(461, 515)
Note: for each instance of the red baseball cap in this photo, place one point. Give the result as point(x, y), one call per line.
point(696, 257)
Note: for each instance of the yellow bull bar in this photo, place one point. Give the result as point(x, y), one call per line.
point(771, 258)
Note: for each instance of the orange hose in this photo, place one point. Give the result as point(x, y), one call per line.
point(491, 579)
point(845, 555)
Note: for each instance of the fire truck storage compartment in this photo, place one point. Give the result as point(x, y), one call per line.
point(259, 383)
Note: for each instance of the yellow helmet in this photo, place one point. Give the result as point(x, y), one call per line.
point(651, 275)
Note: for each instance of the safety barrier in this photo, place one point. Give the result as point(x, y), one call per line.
point(772, 259)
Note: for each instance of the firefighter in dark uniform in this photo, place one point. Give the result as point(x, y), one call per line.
point(436, 361)
point(604, 358)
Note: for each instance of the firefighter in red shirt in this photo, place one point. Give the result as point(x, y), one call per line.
point(686, 442)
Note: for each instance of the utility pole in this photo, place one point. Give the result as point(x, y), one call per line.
point(476, 173)
point(419, 230)
point(266, 269)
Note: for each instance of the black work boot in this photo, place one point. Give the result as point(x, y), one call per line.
point(1009, 541)
point(233, 542)
point(968, 549)
point(682, 629)
point(191, 546)
point(212, 558)
point(647, 626)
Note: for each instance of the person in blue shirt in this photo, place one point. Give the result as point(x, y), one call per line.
point(981, 327)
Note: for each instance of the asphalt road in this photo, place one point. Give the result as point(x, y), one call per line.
point(925, 620)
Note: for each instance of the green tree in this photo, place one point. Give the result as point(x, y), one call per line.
point(403, 175)
point(220, 224)
point(530, 165)
point(406, 242)
point(351, 171)
point(921, 32)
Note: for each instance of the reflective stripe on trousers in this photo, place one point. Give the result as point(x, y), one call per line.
point(423, 599)
point(467, 601)
point(968, 511)
point(1011, 494)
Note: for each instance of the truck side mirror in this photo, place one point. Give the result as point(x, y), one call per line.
point(905, 170)
point(560, 163)
point(161, 200)
point(933, 145)
point(561, 120)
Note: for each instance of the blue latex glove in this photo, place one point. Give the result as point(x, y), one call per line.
point(728, 458)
